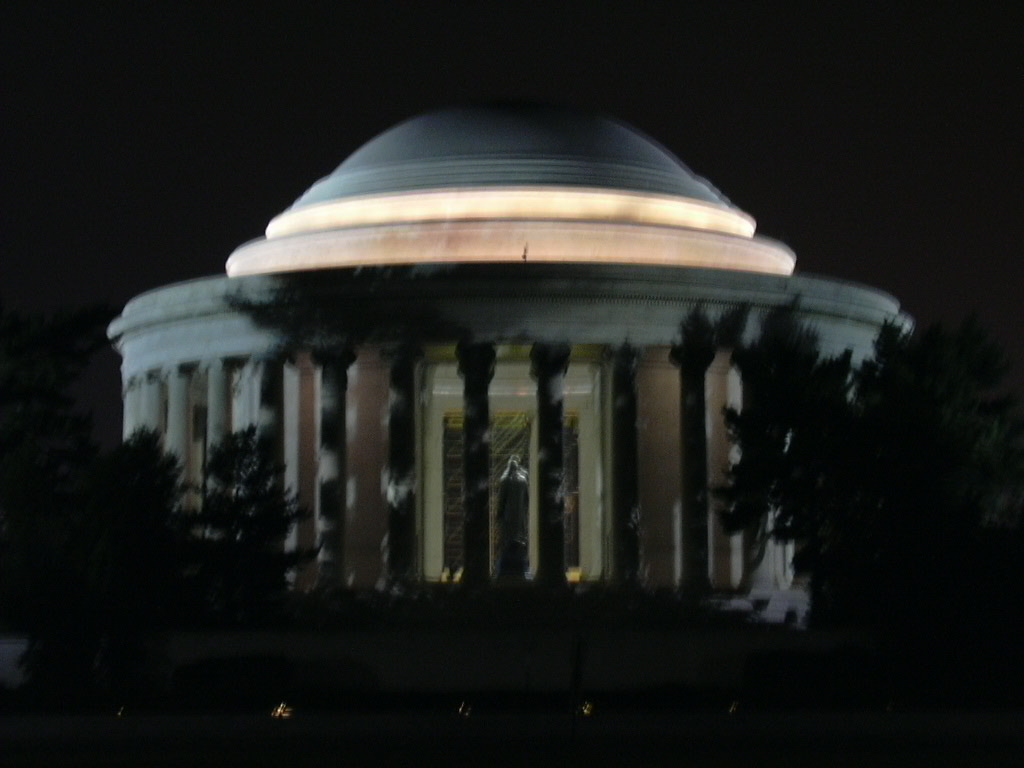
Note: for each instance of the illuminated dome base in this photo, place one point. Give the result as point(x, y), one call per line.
point(510, 241)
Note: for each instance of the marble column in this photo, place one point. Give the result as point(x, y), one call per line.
point(257, 397)
point(218, 403)
point(270, 375)
point(244, 395)
point(726, 556)
point(693, 357)
point(332, 474)
point(625, 484)
point(476, 365)
point(151, 401)
point(549, 364)
point(176, 436)
point(401, 471)
point(132, 418)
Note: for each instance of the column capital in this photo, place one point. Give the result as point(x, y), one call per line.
point(213, 362)
point(692, 357)
point(275, 356)
point(476, 360)
point(401, 351)
point(696, 347)
point(549, 359)
point(339, 356)
point(731, 326)
point(177, 369)
point(624, 357)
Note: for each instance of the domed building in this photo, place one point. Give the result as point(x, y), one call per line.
point(474, 344)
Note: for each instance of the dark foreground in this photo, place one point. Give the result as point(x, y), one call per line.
point(437, 737)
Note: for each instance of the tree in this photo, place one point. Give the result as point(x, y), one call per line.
point(40, 359)
point(116, 577)
point(240, 560)
point(940, 458)
point(885, 474)
point(792, 433)
point(45, 443)
point(45, 450)
point(130, 538)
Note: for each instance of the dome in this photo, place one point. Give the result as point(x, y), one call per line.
point(504, 184)
point(510, 146)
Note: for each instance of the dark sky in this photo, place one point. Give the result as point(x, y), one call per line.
point(144, 142)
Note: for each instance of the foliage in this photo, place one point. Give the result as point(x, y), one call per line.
point(239, 559)
point(45, 447)
point(41, 357)
point(117, 576)
point(129, 539)
point(883, 474)
point(700, 337)
point(304, 312)
point(792, 434)
point(938, 459)
point(47, 457)
point(97, 551)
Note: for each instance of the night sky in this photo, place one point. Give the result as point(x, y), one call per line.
point(144, 142)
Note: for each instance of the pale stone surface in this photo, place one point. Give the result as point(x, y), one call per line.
point(659, 464)
point(152, 411)
point(218, 398)
point(176, 436)
point(132, 419)
point(723, 389)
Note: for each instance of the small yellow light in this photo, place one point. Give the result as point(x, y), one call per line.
point(733, 707)
point(465, 709)
point(586, 709)
point(281, 712)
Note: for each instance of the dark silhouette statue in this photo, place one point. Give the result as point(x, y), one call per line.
point(513, 520)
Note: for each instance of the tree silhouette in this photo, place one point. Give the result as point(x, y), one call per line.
point(129, 544)
point(885, 475)
point(240, 560)
point(792, 433)
point(45, 443)
point(939, 459)
point(45, 451)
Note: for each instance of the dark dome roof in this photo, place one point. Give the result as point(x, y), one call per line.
point(508, 147)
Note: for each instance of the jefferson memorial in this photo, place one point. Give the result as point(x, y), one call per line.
point(479, 298)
